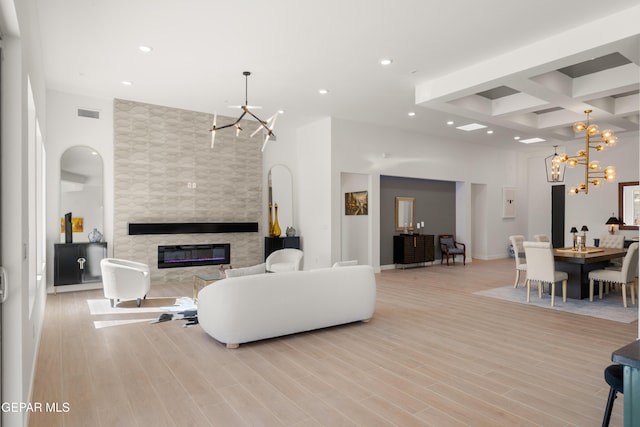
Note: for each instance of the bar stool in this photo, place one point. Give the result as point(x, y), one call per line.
point(613, 377)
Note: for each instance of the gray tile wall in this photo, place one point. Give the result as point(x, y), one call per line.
point(158, 151)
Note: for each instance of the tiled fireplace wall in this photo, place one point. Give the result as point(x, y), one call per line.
point(165, 171)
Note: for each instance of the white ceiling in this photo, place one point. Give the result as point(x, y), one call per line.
point(444, 53)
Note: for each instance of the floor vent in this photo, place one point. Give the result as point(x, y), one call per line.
point(88, 113)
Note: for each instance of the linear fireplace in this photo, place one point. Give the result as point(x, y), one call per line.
point(194, 255)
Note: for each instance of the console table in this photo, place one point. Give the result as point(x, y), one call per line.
point(272, 244)
point(413, 249)
point(76, 263)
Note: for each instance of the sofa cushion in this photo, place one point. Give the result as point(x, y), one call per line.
point(245, 271)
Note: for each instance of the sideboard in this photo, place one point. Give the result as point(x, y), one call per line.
point(413, 249)
point(272, 244)
point(76, 263)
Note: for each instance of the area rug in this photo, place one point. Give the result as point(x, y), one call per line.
point(183, 309)
point(169, 307)
point(149, 305)
point(609, 307)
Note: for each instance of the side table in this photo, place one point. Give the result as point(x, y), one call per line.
point(202, 280)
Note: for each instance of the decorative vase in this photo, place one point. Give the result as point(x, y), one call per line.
point(276, 227)
point(291, 232)
point(95, 236)
point(270, 229)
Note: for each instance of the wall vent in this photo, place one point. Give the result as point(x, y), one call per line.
point(88, 113)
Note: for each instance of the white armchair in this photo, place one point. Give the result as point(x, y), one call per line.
point(284, 260)
point(123, 280)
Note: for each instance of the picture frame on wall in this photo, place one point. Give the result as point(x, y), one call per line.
point(356, 203)
point(508, 202)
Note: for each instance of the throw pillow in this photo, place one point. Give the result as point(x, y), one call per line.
point(245, 271)
point(448, 241)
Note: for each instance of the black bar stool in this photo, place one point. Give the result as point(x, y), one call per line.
point(613, 377)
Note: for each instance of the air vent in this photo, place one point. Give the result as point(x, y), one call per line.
point(88, 113)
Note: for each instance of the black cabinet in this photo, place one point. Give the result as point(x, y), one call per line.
point(78, 262)
point(413, 248)
point(272, 244)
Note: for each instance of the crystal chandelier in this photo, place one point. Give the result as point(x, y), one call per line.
point(267, 125)
point(593, 173)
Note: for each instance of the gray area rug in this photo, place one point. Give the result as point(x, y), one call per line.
point(609, 307)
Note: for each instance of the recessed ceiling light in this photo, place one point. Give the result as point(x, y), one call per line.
point(323, 91)
point(145, 49)
point(450, 122)
point(532, 140)
point(471, 126)
point(489, 131)
point(386, 61)
point(411, 113)
point(280, 111)
point(516, 138)
point(127, 83)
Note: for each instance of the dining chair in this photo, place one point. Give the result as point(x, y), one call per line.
point(612, 241)
point(624, 276)
point(518, 249)
point(541, 269)
point(541, 237)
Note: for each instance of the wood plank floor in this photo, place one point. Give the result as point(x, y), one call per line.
point(434, 354)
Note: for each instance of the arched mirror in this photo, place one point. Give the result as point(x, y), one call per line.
point(81, 191)
point(280, 191)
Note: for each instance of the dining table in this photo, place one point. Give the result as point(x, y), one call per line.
point(578, 264)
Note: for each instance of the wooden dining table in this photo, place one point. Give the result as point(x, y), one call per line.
point(579, 264)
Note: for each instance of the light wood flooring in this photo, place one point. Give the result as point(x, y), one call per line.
point(434, 354)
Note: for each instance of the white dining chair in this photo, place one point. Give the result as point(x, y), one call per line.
point(518, 249)
point(624, 276)
point(541, 269)
point(541, 237)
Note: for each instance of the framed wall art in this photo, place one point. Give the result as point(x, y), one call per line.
point(356, 203)
point(508, 202)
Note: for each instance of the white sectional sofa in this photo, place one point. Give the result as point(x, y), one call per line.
point(241, 309)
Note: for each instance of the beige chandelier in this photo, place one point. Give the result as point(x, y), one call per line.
point(593, 172)
point(266, 125)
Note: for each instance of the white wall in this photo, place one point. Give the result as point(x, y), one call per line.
point(359, 148)
point(21, 326)
point(314, 196)
point(67, 130)
point(595, 208)
point(355, 230)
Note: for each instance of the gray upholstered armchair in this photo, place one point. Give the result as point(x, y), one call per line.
point(450, 248)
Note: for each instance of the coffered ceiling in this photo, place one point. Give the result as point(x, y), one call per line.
point(524, 69)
